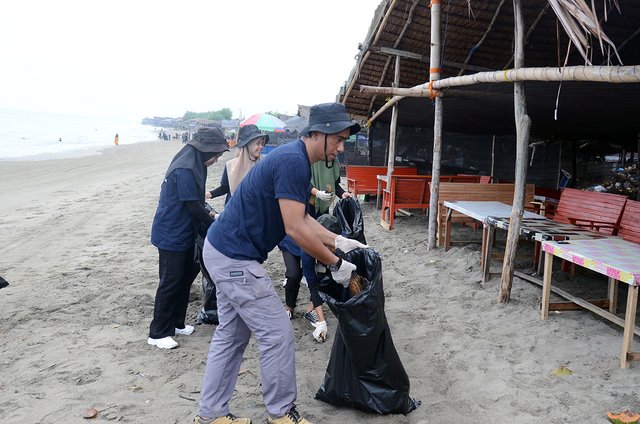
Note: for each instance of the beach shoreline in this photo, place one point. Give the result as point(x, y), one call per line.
point(82, 272)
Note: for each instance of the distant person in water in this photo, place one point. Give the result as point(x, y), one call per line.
point(60, 140)
point(115, 140)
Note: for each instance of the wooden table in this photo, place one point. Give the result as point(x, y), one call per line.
point(539, 230)
point(381, 179)
point(611, 256)
point(481, 211)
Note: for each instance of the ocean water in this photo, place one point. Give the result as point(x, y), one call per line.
point(26, 135)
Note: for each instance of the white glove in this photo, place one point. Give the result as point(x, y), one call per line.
point(324, 196)
point(343, 274)
point(347, 245)
point(320, 333)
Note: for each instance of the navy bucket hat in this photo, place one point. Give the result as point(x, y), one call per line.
point(329, 118)
point(248, 133)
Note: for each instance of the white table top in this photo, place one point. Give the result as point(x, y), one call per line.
point(481, 210)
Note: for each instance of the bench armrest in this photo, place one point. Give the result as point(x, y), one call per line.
point(592, 224)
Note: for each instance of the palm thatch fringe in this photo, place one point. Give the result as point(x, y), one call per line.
point(579, 21)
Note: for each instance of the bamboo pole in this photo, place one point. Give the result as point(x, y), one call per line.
point(608, 74)
point(434, 74)
point(523, 126)
point(394, 128)
point(493, 157)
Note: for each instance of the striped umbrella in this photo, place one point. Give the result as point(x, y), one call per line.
point(264, 122)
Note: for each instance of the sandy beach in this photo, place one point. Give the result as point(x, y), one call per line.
point(74, 321)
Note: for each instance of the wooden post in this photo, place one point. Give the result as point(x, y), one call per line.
point(559, 164)
point(434, 74)
point(523, 126)
point(394, 126)
point(493, 157)
point(574, 164)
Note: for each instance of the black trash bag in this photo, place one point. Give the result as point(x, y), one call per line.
point(3, 283)
point(349, 214)
point(209, 312)
point(364, 370)
point(330, 222)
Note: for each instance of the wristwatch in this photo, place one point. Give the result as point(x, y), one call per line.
point(336, 266)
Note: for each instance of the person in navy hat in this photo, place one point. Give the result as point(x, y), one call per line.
point(180, 215)
point(269, 203)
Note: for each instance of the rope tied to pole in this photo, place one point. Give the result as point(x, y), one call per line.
point(432, 93)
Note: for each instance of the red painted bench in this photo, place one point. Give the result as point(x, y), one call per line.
point(412, 192)
point(363, 179)
point(591, 209)
point(630, 222)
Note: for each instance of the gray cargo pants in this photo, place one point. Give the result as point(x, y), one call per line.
point(247, 303)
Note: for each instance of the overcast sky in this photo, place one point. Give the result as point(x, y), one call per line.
point(137, 58)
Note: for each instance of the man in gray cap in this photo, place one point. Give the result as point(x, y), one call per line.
point(269, 203)
point(179, 217)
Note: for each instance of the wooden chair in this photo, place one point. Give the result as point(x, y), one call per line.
point(404, 192)
point(412, 192)
point(363, 179)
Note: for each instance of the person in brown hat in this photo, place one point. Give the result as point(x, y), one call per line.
point(180, 216)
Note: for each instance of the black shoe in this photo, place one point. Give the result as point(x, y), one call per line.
point(207, 317)
point(311, 316)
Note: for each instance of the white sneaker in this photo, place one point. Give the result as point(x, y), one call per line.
point(186, 331)
point(284, 282)
point(163, 343)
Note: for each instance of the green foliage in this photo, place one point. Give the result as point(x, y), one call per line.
point(214, 115)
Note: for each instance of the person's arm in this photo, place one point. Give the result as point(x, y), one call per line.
point(219, 191)
point(340, 192)
point(308, 234)
point(199, 215)
point(224, 186)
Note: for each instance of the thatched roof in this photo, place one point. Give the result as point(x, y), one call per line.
point(478, 36)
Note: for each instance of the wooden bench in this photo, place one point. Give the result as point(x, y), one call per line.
point(591, 209)
point(363, 179)
point(412, 192)
point(630, 222)
point(484, 179)
point(476, 192)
